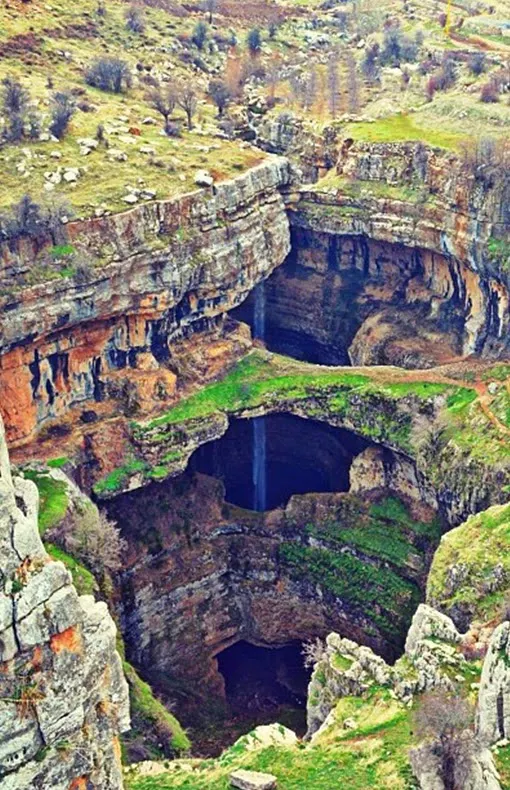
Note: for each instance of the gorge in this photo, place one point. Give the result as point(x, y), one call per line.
point(284, 395)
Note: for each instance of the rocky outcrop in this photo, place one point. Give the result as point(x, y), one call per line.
point(64, 699)
point(493, 715)
point(401, 252)
point(148, 277)
point(430, 660)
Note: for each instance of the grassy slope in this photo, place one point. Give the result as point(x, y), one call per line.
point(479, 545)
point(376, 757)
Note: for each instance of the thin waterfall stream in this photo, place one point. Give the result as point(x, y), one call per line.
point(259, 465)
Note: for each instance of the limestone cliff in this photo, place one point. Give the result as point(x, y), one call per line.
point(143, 279)
point(401, 236)
point(64, 699)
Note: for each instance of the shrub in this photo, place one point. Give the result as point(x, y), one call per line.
point(397, 47)
point(477, 63)
point(135, 21)
point(370, 67)
point(199, 35)
point(254, 41)
point(63, 109)
point(109, 74)
point(15, 102)
point(26, 219)
point(489, 93)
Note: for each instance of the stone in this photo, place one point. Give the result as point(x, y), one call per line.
point(427, 622)
point(252, 780)
point(66, 645)
point(131, 198)
point(71, 175)
point(116, 155)
point(204, 179)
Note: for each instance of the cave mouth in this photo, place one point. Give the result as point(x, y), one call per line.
point(264, 461)
point(262, 680)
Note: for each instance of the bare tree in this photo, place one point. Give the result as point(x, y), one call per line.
point(163, 100)
point(311, 87)
point(352, 84)
point(187, 101)
point(210, 6)
point(220, 94)
point(313, 652)
point(333, 83)
point(445, 723)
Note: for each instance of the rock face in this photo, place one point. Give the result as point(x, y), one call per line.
point(202, 575)
point(390, 262)
point(345, 668)
point(151, 275)
point(493, 716)
point(64, 696)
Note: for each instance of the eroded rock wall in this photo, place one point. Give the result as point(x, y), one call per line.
point(154, 274)
point(63, 696)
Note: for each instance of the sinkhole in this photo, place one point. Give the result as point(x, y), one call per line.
point(264, 461)
point(259, 680)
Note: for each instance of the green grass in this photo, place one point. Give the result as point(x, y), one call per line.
point(384, 531)
point(120, 476)
point(83, 579)
point(403, 128)
point(147, 710)
point(53, 499)
point(383, 596)
point(255, 380)
point(58, 463)
point(377, 758)
point(479, 545)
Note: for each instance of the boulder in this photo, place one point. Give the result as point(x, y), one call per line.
point(252, 780)
point(204, 179)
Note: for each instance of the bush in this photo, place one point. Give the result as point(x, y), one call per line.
point(489, 93)
point(15, 102)
point(397, 47)
point(370, 64)
point(26, 219)
point(477, 63)
point(135, 21)
point(62, 111)
point(199, 35)
point(254, 41)
point(109, 74)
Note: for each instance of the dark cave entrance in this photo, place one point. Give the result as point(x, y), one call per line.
point(294, 456)
point(262, 680)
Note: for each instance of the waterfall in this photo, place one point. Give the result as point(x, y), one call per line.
point(259, 464)
point(259, 423)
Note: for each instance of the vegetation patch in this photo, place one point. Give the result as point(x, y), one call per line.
point(53, 498)
point(470, 573)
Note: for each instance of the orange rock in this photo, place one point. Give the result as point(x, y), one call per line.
point(69, 640)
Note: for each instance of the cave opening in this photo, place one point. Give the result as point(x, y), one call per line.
point(262, 680)
point(293, 456)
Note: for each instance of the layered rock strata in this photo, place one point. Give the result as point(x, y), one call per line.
point(64, 699)
point(148, 277)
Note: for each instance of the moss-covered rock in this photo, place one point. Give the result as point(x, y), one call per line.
point(470, 575)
